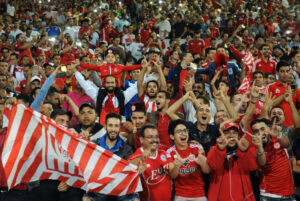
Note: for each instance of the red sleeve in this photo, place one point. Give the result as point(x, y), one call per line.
point(97, 68)
point(247, 160)
point(236, 52)
point(132, 67)
point(17, 46)
point(216, 158)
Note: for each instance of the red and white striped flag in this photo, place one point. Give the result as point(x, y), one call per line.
point(247, 63)
point(38, 148)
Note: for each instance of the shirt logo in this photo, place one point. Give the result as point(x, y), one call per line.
point(163, 157)
point(277, 145)
point(277, 91)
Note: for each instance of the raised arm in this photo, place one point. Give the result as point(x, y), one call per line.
point(162, 79)
point(171, 112)
point(289, 98)
point(141, 80)
point(35, 105)
point(89, 89)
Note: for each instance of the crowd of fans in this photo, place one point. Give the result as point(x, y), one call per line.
point(203, 96)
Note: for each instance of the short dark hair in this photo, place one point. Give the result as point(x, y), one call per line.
point(154, 81)
point(146, 126)
point(34, 90)
point(281, 63)
point(218, 82)
point(232, 96)
point(18, 35)
point(267, 74)
point(113, 115)
point(24, 97)
point(52, 91)
point(256, 121)
point(27, 65)
point(167, 94)
point(274, 107)
point(258, 72)
point(48, 102)
point(14, 54)
point(183, 54)
point(173, 124)
point(205, 100)
point(264, 45)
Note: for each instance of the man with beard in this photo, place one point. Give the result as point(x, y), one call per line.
point(265, 63)
point(152, 88)
point(112, 142)
point(276, 113)
point(88, 127)
point(23, 47)
point(276, 173)
point(109, 98)
point(155, 179)
point(160, 118)
point(277, 53)
point(230, 162)
point(279, 88)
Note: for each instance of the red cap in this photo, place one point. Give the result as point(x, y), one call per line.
point(230, 125)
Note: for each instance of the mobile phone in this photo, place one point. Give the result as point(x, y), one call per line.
point(293, 86)
point(63, 69)
point(35, 70)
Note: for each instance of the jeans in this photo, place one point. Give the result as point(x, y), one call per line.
point(262, 198)
point(13, 195)
point(102, 197)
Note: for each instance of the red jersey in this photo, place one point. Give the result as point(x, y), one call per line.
point(276, 174)
point(196, 46)
point(277, 89)
point(67, 58)
point(215, 33)
point(156, 183)
point(145, 34)
point(189, 182)
point(26, 52)
point(150, 105)
point(163, 130)
point(111, 69)
point(265, 67)
point(46, 50)
point(292, 27)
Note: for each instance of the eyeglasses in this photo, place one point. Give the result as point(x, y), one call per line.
point(3, 97)
point(152, 137)
point(179, 131)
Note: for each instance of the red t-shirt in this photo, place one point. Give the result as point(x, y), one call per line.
point(276, 174)
point(165, 140)
point(156, 183)
point(196, 46)
point(189, 182)
point(265, 67)
point(26, 52)
point(183, 75)
point(277, 90)
point(149, 105)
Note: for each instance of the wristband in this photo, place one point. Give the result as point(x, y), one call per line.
point(253, 102)
point(280, 136)
point(260, 153)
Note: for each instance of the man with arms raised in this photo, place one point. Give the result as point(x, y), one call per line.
point(276, 173)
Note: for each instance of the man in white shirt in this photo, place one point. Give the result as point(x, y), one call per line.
point(136, 48)
point(128, 38)
point(164, 26)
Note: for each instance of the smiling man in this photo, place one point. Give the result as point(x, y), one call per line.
point(276, 175)
point(189, 184)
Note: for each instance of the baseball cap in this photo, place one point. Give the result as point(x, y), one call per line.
point(60, 112)
point(227, 126)
point(35, 78)
point(87, 104)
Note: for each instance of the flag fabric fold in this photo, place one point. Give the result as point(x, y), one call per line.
point(38, 148)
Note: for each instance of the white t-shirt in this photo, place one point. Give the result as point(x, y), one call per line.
point(136, 50)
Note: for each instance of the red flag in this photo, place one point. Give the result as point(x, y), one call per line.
point(38, 148)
